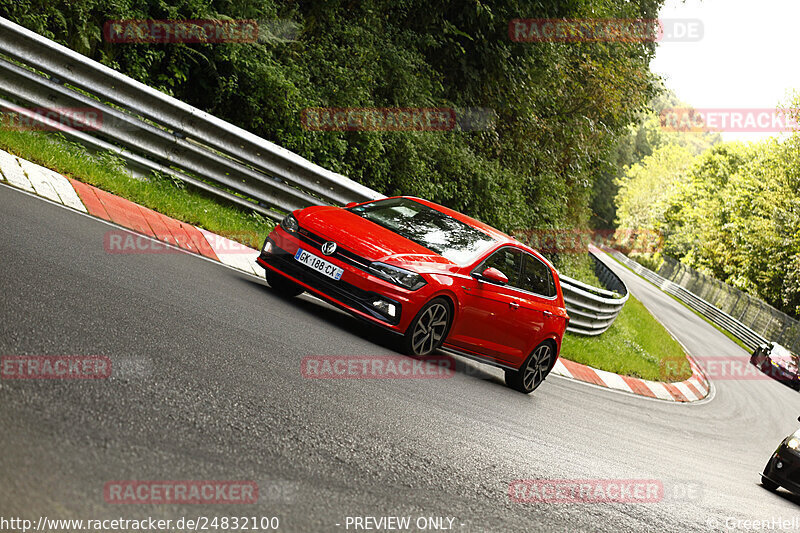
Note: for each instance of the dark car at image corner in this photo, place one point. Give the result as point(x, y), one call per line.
point(778, 363)
point(434, 276)
point(783, 468)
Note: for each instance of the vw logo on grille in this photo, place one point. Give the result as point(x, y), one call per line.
point(329, 248)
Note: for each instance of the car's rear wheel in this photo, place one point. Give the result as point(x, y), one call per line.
point(768, 484)
point(429, 328)
point(281, 285)
point(534, 371)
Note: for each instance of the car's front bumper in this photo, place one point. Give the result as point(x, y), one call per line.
point(354, 292)
point(788, 475)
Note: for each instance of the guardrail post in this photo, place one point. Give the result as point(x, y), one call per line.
point(746, 306)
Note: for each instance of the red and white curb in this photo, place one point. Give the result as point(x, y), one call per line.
point(96, 202)
point(87, 199)
point(693, 389)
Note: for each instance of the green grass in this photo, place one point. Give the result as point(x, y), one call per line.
point(635, 345)
point(176, 200)
point(579, 267)
point(725, 332)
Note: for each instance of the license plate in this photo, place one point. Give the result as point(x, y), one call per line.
point(319, 264)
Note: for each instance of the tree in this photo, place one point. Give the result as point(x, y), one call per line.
point(560, 108)
point(649, 133)
point(647, 188)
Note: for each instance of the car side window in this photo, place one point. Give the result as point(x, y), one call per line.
point(508, 261)
point(537, 278)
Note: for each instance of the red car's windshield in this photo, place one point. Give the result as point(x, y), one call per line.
point(437, 231)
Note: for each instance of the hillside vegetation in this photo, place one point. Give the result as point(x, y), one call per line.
point(732, 212)
point(559, 109)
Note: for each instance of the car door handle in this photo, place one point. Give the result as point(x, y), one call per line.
point(547, 314)
point(514, 305)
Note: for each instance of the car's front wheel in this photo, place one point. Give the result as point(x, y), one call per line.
point(281, 285)
point(769, 484)
point(429, 328)
point(535, 369)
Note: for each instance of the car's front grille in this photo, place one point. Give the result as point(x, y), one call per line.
point(343, 255)
point(346, 293)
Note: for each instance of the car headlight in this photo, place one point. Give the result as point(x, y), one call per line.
point(289, 223)
point(793, 443)
point(399, 276)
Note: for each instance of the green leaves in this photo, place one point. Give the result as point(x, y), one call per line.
point(561, 108)
point(735, 216)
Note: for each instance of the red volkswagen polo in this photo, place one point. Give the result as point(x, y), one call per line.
point(435, 276)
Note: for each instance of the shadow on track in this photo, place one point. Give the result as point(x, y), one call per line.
point(783, 494)
point(364, 330)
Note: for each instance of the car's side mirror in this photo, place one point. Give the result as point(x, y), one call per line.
point(492, 275)
point(350, 204)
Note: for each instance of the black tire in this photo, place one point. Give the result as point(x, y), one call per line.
point(282, 286)
point(429, 328)
point(768, 484)
point(534, 370)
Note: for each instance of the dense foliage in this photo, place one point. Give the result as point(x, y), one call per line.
point(644, 139)
point(738, 218)
point(732, 212)
point(560, 108)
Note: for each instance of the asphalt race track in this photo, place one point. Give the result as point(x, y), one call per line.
point(207, 386)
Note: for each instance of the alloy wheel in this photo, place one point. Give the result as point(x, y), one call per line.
point(537, 366)
point(429, 329)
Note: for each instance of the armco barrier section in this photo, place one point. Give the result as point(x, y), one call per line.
point(749, 337)
point(593, 310)
point(153, 132)
point(750, 311)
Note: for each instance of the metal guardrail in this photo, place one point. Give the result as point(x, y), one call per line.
point(749, 337)
point(153, 132)
point(593, 310)
point(754, 313)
